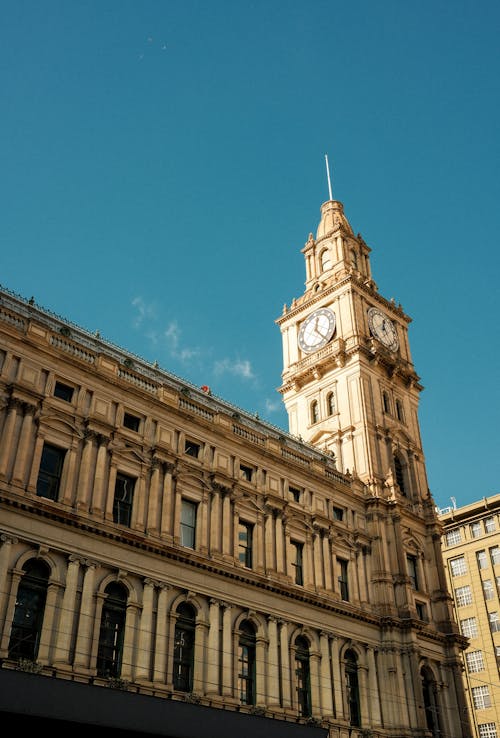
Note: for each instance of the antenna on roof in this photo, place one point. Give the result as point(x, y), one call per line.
point(328, 177)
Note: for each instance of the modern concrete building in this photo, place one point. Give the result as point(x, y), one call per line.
point(471, 550)
point(172, 565)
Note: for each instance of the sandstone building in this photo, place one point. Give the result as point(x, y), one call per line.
point(471, 551)
point(158, 540)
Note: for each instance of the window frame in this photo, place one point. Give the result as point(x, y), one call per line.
point(52, 478)
point(122, 508)
point(188, 527)
point(245, 543)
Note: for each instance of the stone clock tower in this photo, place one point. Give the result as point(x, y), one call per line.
point(349, 385)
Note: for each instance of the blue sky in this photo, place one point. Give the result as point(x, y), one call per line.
point(162, 164)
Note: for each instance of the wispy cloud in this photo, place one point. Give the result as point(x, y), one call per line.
point(144, 312)
point(273, 406)
point(239, 367)
point(173, 336)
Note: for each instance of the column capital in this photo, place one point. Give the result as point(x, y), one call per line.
point(5, 538)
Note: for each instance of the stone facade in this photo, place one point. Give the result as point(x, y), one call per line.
point(159, 540)
point(471, 551)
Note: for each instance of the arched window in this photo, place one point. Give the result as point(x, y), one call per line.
point(352, 688)
point(325, 260)
point(400, 478)
point(330, 403)
point(303, 676)
point(184, 648)
point(30, 608)
point(314, 411)
point(431, 705)
point(112, 632)
point(246, 664)
point(385, 401)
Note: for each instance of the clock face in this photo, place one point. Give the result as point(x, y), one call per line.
point(383, 328)
point(316, 330)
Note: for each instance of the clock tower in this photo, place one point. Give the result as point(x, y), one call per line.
point(349, 385)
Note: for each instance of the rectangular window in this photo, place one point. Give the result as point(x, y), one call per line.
point(476, 529)
point(487, 730)
point(295, 493)
point(132, 422)
point(124, 497)
point(495, 555)
point(412, 570)
point(468, 627)
point(192, 449)
point(488, 589)
point(245, 536)
point(481, 697)
point(453, 537)
point(421, 611)
point(482, 559)
point(463, 596)
point(343, 579)
point(49, 474)
point(489, 525)
point(246, 472)
point(188, 524)
point(338, 513)
point(63, 391)
point(494, 622)
point(458, 567)
point(297, 562)
point(475, 661)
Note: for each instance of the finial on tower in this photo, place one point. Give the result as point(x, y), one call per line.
point(328, 177)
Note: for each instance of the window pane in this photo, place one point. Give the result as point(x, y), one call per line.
point(458, 567)
point(188, 523)
point(49, 475)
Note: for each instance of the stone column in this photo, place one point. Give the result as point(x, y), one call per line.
point(63, 642)
point(280, 556)
point(47, 631)
point(5, 554)
point(160, 650)
point(100, 480)
point(137, 521)
point(317, 563)
point(376, 717)
point(314, 660)
point(213, 649)
point(363, 694)
point(269, 540)
point(326, 678)
point(68, 479)
point(337, 680)
point(128, 641)
point(215, 521)
point(261, 695)
point(167, 497)
point(285, 665)
point(84, 634)
point(327, 559)
point(200, 648)
point(154, 497)
point(308, 562)
point(35, 465)
point(144, 648)
point(85, 478)
point(203, 524)
point(226, 525)
point(360, 568)
point(8, 436)
point(273, 667)
point(227, 652)
point(21, 462)
point(259, 543)
point(110, 490)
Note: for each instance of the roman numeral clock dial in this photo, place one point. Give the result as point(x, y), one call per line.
point(317, 330)
point(383, 329)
